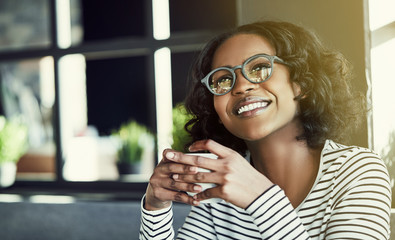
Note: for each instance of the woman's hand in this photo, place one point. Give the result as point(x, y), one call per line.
point(163, 188)
point(237, 181)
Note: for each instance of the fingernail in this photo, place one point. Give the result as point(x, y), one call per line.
point(197, 188)
point(170, 155)
point(190, 148)
point(175, 176)
point(195, 202)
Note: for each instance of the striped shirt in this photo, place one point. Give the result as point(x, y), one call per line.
point(350, 199)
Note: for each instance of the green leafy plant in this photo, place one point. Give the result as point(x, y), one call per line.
point(132, 136)
point(180, 136)
point(13, 140)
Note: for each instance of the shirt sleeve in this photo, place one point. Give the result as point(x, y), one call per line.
point(198, 224)
point(362, 203)
point(275, 217)
point(156, 224)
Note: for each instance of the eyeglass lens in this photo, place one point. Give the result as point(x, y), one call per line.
point(256, 70)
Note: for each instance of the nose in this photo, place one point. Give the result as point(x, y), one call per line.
point(242, 85)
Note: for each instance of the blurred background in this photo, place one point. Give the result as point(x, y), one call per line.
point(77, 71)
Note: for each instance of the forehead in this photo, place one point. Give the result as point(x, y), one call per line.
point(235, 50)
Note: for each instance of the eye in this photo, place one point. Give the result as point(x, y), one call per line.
point(221, 79)
point(223, 83)
point(259, 72)
point(259, 67)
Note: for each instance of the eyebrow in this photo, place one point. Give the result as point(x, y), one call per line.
point(229, 66)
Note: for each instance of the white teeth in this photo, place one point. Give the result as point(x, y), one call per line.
point(252, 106)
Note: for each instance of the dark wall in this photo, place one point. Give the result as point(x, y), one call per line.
point(340, 24)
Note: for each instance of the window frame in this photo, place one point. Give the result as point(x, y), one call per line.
point(132, 46)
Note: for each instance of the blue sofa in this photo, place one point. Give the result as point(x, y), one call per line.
point(79, 220)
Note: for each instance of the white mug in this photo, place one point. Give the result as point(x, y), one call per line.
point(205, 185)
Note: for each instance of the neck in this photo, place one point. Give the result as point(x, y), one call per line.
point(286, 161)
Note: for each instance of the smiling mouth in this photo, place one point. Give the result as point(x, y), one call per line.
point(252, 107)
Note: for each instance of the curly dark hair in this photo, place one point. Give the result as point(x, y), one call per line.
point(328, 107)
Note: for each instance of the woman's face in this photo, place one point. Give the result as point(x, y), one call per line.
point(253, 111)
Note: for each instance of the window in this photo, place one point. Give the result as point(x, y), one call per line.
point(382, 81)
point(90, 66)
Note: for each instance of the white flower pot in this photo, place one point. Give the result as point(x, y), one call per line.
point(7, 174)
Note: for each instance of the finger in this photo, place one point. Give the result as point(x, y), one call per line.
point(180, 197)
point(194, 160)
point(174, 184)
point(201, 177)
point(211, 146)
point(207, 194)
point(164, 189)
point(164, 153)
point(171, 168)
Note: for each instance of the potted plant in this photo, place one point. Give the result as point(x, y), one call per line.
point(132, 138)
point(180, 136)
point(13, 144)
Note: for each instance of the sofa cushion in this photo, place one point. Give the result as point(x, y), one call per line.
point(80, 220)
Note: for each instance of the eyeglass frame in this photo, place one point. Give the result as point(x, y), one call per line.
point(271, 58)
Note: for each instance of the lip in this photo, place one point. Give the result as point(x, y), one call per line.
point(250, 106)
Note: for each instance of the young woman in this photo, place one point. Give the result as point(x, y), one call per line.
point(271, 102)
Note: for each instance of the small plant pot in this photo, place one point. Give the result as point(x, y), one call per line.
point(129, 168)
point(7, 174)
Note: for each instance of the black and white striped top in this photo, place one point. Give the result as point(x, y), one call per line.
point(350, 199)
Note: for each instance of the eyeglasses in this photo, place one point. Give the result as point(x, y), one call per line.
point(256, 69)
